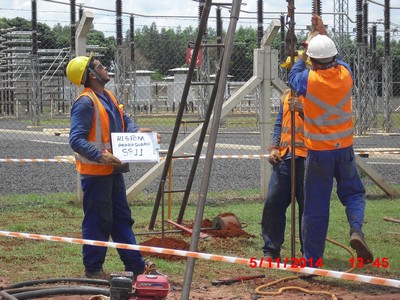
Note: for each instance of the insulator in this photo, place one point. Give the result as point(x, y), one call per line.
point(359, 20)
point(387, 28)
point(260, 29)
point(132, 36)
point(73, 25)
point(118, 8)
point(219, 25)
point(365, 23)
point(373, 37)
point(80, 11)
point(219, 30)
point(317, 7)
point(34, 28)
point(201, 6)
point(373, 47)
point(282, 48)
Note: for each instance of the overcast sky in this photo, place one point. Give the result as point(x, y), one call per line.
point(185, 12)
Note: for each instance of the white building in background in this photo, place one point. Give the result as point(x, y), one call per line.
point(175, 88)
point(143, 97)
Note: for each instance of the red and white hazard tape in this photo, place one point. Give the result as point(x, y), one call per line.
point(38, 160)
point(229, 259)
point(71, 159)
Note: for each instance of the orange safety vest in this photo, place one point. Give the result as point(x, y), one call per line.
point(328, 118)
point(99, 135)
point(286, 136)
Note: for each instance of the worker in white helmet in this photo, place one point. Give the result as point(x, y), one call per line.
point(328, 133)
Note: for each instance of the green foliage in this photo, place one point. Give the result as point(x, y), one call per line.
point(157, 75)
point(164, 49)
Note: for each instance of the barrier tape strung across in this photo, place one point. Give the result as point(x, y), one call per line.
point(229, 259)
point(71, 159)
point(37, 160)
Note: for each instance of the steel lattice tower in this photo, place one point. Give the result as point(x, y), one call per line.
point(204, 69)
point(387, 71)
point(341, 27)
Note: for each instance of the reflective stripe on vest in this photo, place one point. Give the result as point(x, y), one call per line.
point(99, 135)
point(328, 120)
point(286, 136)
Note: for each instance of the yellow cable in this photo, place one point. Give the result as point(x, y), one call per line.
point(281, 290)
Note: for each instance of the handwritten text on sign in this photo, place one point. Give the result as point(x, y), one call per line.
point(135, 147)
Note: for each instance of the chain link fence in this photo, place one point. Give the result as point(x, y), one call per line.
point(36, 98)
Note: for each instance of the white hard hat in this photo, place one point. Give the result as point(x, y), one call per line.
point(321, 47)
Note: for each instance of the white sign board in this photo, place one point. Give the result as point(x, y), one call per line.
point(135, 147)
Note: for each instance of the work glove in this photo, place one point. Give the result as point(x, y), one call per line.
point(295, 104)
point(310, 36)
point(108, 159)
point(274, 157)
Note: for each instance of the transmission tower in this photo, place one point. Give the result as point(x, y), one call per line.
point(341, 27)
point(204, 75)
point(387, 73)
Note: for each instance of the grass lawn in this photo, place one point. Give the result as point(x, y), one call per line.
point(24, 259)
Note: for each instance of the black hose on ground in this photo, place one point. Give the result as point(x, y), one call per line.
point(28, 289)
point(60, 291)
point(56, 280)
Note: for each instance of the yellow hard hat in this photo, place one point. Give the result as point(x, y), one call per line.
point(76, 69)
point(287, 64)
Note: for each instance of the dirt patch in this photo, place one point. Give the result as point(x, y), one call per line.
point(167, 242)
point(230, 230)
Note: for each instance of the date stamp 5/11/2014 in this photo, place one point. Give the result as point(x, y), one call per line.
point(284, 263)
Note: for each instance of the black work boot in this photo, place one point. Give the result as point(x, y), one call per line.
point(273, 256)
point(96, 275)
point(358, 243)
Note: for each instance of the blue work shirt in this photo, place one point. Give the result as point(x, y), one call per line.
point(82, 114)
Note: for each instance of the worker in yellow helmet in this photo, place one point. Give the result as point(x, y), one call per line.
point(287, 63)
point(95, 114)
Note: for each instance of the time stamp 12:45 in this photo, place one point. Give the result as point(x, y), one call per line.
point(359, 263)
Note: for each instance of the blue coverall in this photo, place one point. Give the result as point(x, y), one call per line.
point(273, 222)
point(321, 169)
point(105, 206)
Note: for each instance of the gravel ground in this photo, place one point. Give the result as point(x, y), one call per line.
point(227, 174)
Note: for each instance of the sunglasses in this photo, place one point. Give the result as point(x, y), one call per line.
point(100, 66)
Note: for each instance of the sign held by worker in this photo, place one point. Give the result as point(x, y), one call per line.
point(139, 147)
point(189, 54)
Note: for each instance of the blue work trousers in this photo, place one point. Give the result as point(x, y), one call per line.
point(278, 199)
point(321, 169)
point(107, 213)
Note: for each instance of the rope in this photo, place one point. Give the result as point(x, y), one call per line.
point(207, 256)
point(307, 291)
